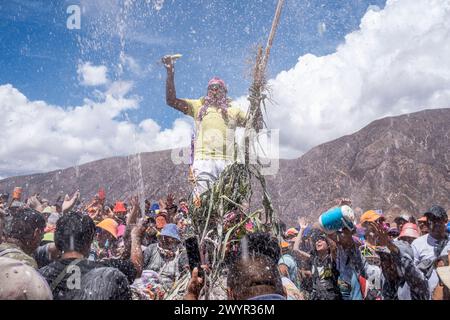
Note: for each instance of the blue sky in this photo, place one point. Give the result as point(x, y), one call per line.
point(73, 96)
point(39, 55)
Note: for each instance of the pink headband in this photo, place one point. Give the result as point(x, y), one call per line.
point(217, 80)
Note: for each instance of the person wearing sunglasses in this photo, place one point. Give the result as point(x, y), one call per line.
point(216, 119)
point(429, 247)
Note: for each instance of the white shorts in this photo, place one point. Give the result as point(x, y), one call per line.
point(206, 172)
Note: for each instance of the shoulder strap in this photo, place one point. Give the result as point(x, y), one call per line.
point(441, 246)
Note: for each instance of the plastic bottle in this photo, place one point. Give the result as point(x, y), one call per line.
point(336, 219)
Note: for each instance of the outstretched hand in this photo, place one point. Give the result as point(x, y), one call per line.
point(302, 222)
point(34, 203)
point(345, 202)
point(167, 60)
point(194, 287)
point(135, 210)
point(69, 202)
point(170, 200)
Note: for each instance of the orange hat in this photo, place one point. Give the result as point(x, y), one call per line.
point(409, 230)
point(109, 225)
point(284, 244)
point(422, 219)
point(119, 207)
point(291, 232)
point(370, 216)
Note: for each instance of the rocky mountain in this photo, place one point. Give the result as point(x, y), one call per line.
point(396, 164)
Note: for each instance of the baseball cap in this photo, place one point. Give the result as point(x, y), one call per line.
point(436, 212)
point(370, 216)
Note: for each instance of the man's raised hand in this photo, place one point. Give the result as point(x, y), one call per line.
point(167, 60)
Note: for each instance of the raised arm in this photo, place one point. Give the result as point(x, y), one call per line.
point(171, 95)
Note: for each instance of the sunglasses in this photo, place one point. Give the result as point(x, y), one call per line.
point(214, 87)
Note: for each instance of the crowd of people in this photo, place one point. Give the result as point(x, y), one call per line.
point(68, 250)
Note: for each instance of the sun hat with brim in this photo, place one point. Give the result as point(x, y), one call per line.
point(370, 216)
point(436, 212)
point(170, 230)
point(119, 207)
point(409, 230)
point(109, 225)
point(444, 275)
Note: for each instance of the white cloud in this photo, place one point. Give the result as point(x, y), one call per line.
point(397, 62)
point(91, 75)
point(37, 136)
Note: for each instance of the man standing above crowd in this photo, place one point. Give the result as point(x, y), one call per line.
point(216, 119)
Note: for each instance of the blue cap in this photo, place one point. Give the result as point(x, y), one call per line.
point(170, 230)
point(154, 207)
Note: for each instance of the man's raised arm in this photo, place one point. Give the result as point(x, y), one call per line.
point(171, 95)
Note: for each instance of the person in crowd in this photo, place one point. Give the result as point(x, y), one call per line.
point(161, 220)
point(167, 256)
point(73, 238)
point(287, 264)
point(22, 235)
point(19, 281)
point(215, 117)
point(402, 219)
point(255, 278)
point(442, 290)
point(373, 279)
point(324, 272)
point(181, 223)
point(423, 225)
point(119, 214)
point(429, 247)
point(183, 206)
point(105, 242)
point(253, 271)
point(105, 283)
point(408, 234)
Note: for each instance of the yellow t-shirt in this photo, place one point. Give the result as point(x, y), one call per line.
point(215, 136)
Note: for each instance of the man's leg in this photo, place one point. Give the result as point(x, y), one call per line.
point(206, 173)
